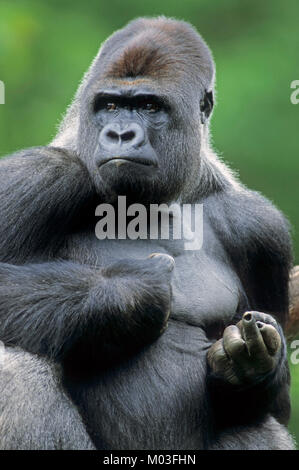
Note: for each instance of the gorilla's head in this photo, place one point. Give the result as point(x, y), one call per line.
point(139, 120)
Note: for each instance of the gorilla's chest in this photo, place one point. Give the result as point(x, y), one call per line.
point(204, 286)
point(164, 387)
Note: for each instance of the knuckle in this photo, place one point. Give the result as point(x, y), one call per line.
point(215, 353)
point(265, 318)
point(235, 346)
point(163, 259)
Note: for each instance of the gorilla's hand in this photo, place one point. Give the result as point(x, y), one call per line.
point(247, 351)
point(140, 298)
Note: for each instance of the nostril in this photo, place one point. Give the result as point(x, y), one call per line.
point(112, 135)
point(118, 134)
point(129, 135)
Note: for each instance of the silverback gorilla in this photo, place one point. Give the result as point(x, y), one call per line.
point(140, 344)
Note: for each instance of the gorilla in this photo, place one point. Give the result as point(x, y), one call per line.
point(125, 343)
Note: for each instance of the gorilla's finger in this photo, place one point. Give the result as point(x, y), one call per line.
point(164, 260)
point(264, 318)
point(217, 358)
point(221, 364)
point(271, 337)
point(234, 345)
point(253, 337)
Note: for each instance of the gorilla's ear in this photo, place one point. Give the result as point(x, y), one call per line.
point(206, 105)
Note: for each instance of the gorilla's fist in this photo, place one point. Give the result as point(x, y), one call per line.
point(247, 351)
point(140, 298)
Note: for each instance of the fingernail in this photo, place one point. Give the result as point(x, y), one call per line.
point(152, 255)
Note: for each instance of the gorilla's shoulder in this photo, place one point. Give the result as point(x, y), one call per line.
point(245, 210)
point(40, 153)
point(40, 167)
point(248, 222)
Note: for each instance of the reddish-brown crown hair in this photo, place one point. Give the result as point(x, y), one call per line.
point(158, 47)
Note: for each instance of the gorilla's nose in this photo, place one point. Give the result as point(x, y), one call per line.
point(113, 135)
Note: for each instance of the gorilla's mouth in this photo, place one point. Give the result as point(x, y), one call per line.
point(118, 161)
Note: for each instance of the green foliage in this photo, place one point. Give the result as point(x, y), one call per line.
point(45, 47)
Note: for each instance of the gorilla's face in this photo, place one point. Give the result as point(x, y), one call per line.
point(141, 112)
point(147, 144)
point(127, 154)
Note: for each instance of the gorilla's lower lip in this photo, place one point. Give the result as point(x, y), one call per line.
point(118, 161)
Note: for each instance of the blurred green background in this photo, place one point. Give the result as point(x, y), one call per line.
point(46, 46)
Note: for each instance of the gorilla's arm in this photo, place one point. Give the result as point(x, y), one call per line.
point(255, 379)
point(42, 191)
point(61, 308)
point(65, 310)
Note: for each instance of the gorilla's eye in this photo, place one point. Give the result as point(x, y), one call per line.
point(111, 106)
point(151, 107)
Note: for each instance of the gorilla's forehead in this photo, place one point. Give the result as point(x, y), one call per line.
point(131, 85)
point(156, 48)
point(127, 83)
